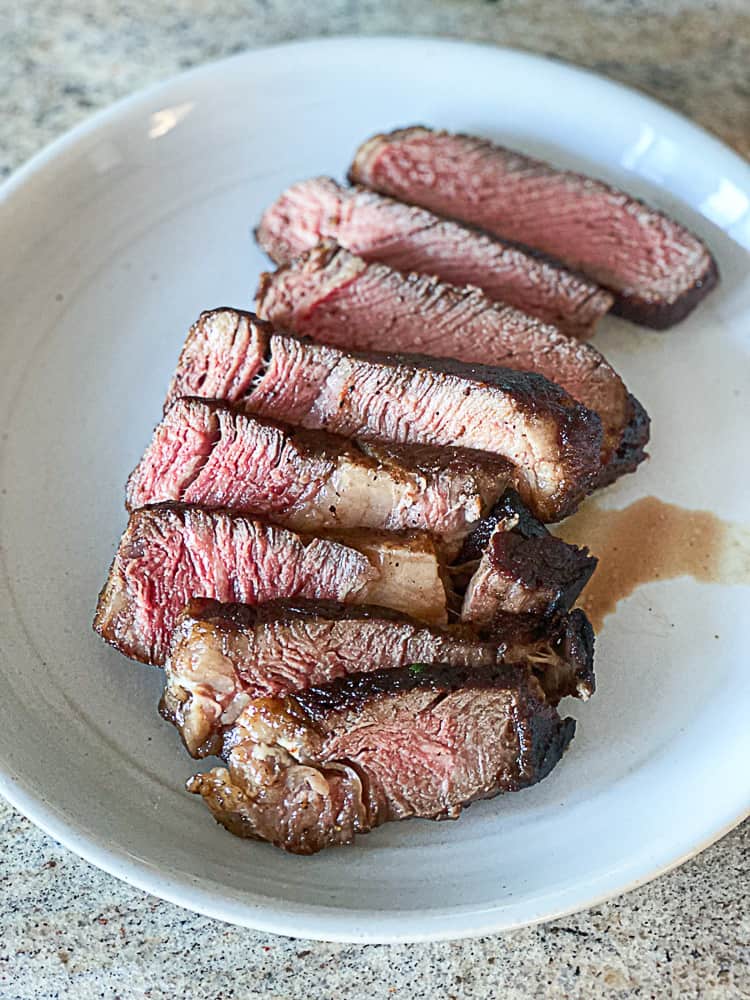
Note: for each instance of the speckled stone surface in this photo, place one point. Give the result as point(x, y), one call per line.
point(67, 930)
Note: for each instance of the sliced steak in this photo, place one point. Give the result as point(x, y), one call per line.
point(338, 299)
point(225, 655)
point(519, 567)
point(204, 452)
point(171, 553)
point(409, 238)
point(553, 442)
point(658, 270)
point(313, 770)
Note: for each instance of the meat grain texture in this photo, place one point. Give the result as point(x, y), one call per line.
point(171, 553)
point(656, 268)
point(409, 238)
point(552, 441)
point(335, 298)
point(204, 452)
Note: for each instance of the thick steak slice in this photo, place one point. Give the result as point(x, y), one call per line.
point(171, 553)
point(204, 452)
point(658, 270)
point(553, 442)
point(520, 567)
point(409, 238)
point(338, 299)
point(225, 655)
point(313, 770)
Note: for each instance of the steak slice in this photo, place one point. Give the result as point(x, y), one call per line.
point(338, 299)
point(409, 238)
point(657, 269)
point(225, 655)
point(553, 442)
point(171, 553)
point(204, 452)
point(519, 567)
point(314, 769)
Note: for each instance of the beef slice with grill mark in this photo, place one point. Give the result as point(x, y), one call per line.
point(519, 567)
point(553, 442)
point(225, 655)
point(657, 269)
point(204, 452)
point(409, 238)
point(171, 553)
point(338, 299)
point(315, 769)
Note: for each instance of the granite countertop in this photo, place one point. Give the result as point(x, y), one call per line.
point(68, 930)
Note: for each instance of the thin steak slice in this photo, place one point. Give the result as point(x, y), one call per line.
point(518, 567)
point(171, 553)
point(657, 269)
point(553, 442)
point(336, 298)
point(204, 452)
point(312, 770)
point(225, 655)
point(409, 238)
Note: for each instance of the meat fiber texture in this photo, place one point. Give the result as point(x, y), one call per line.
point(657, 269)
point(552, 441)
point(336, 298)
point(315, 769)
point(224, 656)
point(409, 238)
point(171, 553)
point(206, 453)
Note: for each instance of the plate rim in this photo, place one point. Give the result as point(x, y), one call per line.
point(316, 921)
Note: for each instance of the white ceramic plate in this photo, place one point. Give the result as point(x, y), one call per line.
point(113, 240)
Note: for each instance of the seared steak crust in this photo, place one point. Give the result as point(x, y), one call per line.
point(409, 238)
point(522, 568)
point(657, 269)
point(313, 770)
point(335, 298)
point(553, 442)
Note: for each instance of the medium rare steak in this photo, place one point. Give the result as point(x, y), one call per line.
point(225, 655)
point(313, 770)
point(171, 553)
point(338, 299)
point(204, 452)
point(553, 442)
point(658, 270)
point(409, 238)
point(520, 567)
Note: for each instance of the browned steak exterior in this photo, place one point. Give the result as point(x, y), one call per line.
point(522, 568)
point(553, 441)
point(171, 553)
point(312, 770)
point(335, 298)
point(658, 270)
point(409, 238)
point(204, 452)
point(225, 655)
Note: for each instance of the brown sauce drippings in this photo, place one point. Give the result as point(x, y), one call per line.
point(653, 540)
